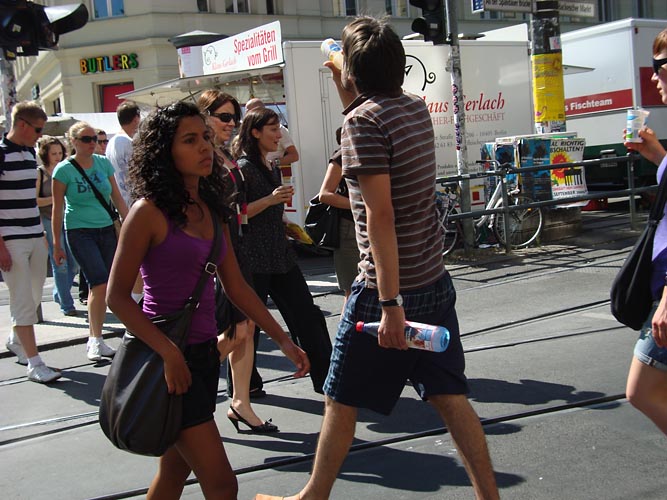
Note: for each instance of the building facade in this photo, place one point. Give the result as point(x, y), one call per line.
point(125, 44)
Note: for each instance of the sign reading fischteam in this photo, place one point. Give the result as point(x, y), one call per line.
point(257, 48)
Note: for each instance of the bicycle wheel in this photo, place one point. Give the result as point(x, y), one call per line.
point(525, 224)
point(451, 233)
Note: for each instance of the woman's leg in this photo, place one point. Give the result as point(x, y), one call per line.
point(170, 478)
point(202, 449)
point(240, 362)
point(647, 391)
point(97, 309)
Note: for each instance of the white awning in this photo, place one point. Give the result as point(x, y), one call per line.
point(264, 83)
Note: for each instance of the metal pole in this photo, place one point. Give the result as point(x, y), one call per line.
point(631, 187)
point(506, 212)
point(459, 120)
point(7, 90)
point(547, 68)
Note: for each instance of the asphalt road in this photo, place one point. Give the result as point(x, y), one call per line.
point(545, 359)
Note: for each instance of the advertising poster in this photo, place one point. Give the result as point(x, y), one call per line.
point(568, 181)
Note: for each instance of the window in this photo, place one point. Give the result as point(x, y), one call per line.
point(345, 7)
point(107, 95)
point(396, 8)
point(237, 6)
point(108, 8)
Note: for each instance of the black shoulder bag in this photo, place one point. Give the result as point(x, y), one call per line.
point(137, 413)
point(113, 213)
point(631, 297)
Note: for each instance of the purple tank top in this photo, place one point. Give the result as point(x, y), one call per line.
point(171, 270)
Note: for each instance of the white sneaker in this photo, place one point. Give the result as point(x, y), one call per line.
point(16, 348)
point(97, 349)
point(43, 374)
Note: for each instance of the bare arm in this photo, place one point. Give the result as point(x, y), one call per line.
point(58, 197)
point(281, 194)
point(245, 298)
point(651, 149)
point(148, 227)
point(346, 95)
point(291, 155)
point(376, 192)
point(330, 184)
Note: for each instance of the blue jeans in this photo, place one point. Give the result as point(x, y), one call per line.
point(93, 249)
point(63, 274)
point(646, 350)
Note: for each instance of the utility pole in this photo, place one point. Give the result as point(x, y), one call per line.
point(7, 90)
point(459, 120)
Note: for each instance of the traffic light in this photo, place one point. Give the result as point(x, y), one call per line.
point(27, 27)
point(432, 25)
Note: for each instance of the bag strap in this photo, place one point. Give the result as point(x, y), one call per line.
point(658, 208)
point(211, 266)
point(112, 213)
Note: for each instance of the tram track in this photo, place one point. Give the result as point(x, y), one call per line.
point(394, 440)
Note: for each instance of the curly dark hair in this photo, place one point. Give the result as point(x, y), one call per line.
point(245, 143)
point(153, 175)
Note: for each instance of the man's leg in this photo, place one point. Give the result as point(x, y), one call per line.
point(466, 430)
point(335, 440)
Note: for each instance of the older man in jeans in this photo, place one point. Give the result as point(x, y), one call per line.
point(23, 251)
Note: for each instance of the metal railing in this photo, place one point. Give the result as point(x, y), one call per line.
point(503, 170)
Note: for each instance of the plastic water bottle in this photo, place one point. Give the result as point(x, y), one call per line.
point(333, 52)
point(418, 335)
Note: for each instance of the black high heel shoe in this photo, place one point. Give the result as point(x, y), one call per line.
point(266, 428)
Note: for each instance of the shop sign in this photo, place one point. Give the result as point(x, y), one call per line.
point(257, 48)
point(102, 64)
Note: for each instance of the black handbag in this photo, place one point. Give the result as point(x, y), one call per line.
point(137, 413)
point(631, 297)
point(322, 224)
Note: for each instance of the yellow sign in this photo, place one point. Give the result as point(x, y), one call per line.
point(548, 94)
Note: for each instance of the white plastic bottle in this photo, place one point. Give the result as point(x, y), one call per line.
point(418, 335)
point(333, 52)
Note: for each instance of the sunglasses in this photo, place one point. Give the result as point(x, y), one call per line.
point(224, 117)
point(38, 130)
point(103, 141)
point(657, 64)
point(87, 139)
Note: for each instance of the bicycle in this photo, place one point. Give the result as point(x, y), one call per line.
point(525, 224)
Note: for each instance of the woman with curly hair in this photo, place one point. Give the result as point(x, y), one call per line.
point(51, 152)
point(223, 114)
point(88, 225)
point(267, 250)
point(178, 186)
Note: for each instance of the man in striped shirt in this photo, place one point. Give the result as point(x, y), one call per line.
point(23, 251)
point(388, 154)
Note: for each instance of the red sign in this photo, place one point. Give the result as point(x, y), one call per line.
point(606, 101)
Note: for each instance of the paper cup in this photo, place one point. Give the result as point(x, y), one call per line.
point(636, 120)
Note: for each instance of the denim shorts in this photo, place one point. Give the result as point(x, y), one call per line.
point(646, 349)
point(364, 375)
point(199, 402)
point(93, 249)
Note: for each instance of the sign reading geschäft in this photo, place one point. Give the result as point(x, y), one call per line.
point(256, 48)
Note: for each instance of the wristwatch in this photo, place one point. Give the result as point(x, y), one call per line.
point(396, 301)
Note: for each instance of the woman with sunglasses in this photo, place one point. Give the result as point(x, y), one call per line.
point(89, 227)
point(51, 152)
point(267, 250)
point(647, 380)
point(223, 115)
point(178, 186)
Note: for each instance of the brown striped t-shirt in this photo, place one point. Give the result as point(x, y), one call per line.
point(394, 135)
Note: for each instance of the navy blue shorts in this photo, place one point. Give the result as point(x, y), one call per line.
point(93, 249)
point(364, 375)
point(204, 364)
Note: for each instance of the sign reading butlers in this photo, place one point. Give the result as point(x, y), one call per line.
point(497, 92)
point(257, 48)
